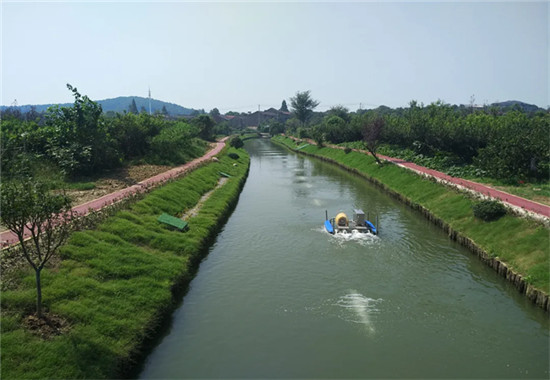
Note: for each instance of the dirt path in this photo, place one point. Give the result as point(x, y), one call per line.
point(8, 238)
point(534, 209)
point(195, 210)
point(116, 180)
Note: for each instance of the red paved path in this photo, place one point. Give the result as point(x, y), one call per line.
point(514, 200)
point(9, 238)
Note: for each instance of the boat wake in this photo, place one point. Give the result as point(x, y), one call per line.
point(364, 239)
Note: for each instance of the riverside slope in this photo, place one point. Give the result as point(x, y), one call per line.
point(517, 248)
point(534, 209)
point(8, 238)
point(117, 283)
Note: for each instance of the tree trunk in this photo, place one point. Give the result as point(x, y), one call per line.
point(373, 153)
point(38, 294)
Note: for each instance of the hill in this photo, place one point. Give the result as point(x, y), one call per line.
point(512, 104)
point(119, 104)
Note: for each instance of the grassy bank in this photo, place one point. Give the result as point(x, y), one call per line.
point(538, 191)
point(115, 283)
point(523, 245)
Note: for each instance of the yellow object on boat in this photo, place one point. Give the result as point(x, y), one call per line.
point(341, 220)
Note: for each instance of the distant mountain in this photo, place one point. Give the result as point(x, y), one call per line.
point(119, 104)
point(122, 103)
point(510, 104)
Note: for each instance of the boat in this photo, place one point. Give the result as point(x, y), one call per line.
point(342, 224)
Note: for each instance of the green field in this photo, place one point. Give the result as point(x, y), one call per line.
point(116, 283)
point(522, 244)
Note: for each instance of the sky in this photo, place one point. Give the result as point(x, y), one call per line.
point(241, 55)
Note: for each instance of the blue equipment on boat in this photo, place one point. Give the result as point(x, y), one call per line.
point(341, 223)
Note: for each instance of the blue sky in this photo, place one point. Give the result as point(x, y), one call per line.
point(238, 55)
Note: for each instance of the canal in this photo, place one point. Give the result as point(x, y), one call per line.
point(277, 297)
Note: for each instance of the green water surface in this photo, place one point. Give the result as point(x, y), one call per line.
point(278, 297)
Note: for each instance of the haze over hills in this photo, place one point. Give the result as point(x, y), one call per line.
point(118, 104)
point(122, 103)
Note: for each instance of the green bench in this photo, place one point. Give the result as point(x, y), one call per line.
point(174, 222)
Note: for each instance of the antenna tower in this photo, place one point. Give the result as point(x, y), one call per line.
point(149, 100)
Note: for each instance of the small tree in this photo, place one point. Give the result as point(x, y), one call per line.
point(28, 207)
point(284, 107)
point(341, 112)
point(132, 108)
point(236, 142)
point(372, 131)
point(318, 136)
point(303, 105)
point(205, 124)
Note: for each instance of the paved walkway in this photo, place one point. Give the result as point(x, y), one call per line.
point(520, 204)
point(8, 238)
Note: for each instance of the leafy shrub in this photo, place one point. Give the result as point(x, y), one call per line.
point(347, 150)
point(236, 142)
point(175, 145)
point(234, 156)
point(489, 210)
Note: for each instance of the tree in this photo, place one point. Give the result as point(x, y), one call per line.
point(318, 136)
point(205, 124)
point(372, 131)
point(214, 112)
point(276, 128)
point(284, 107)
point(80, 142)
point(340, 111)
point(28, 206)
point(132, 108)
point(303, 105)
point(175, 145)
point(164, 111)
point(236, 142)
point(518, 148)
point(333, 128)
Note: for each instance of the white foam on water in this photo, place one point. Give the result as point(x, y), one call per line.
point(353, 307)
point(357, 308)
point(342, 239)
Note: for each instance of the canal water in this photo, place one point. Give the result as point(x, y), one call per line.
point(278, 297)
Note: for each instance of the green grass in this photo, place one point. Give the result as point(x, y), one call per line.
point(520, 243)
point(536, 191)
point(115, 283)
point(248, 136)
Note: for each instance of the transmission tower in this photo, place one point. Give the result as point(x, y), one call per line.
point(149, 100)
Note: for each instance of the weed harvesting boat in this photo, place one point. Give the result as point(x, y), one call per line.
point(342, 224)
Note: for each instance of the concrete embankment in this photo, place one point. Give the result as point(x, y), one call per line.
point(521, 281)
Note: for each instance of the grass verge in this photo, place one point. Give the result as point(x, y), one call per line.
point(116, 283)
point(536, 191)
point(523, 245)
